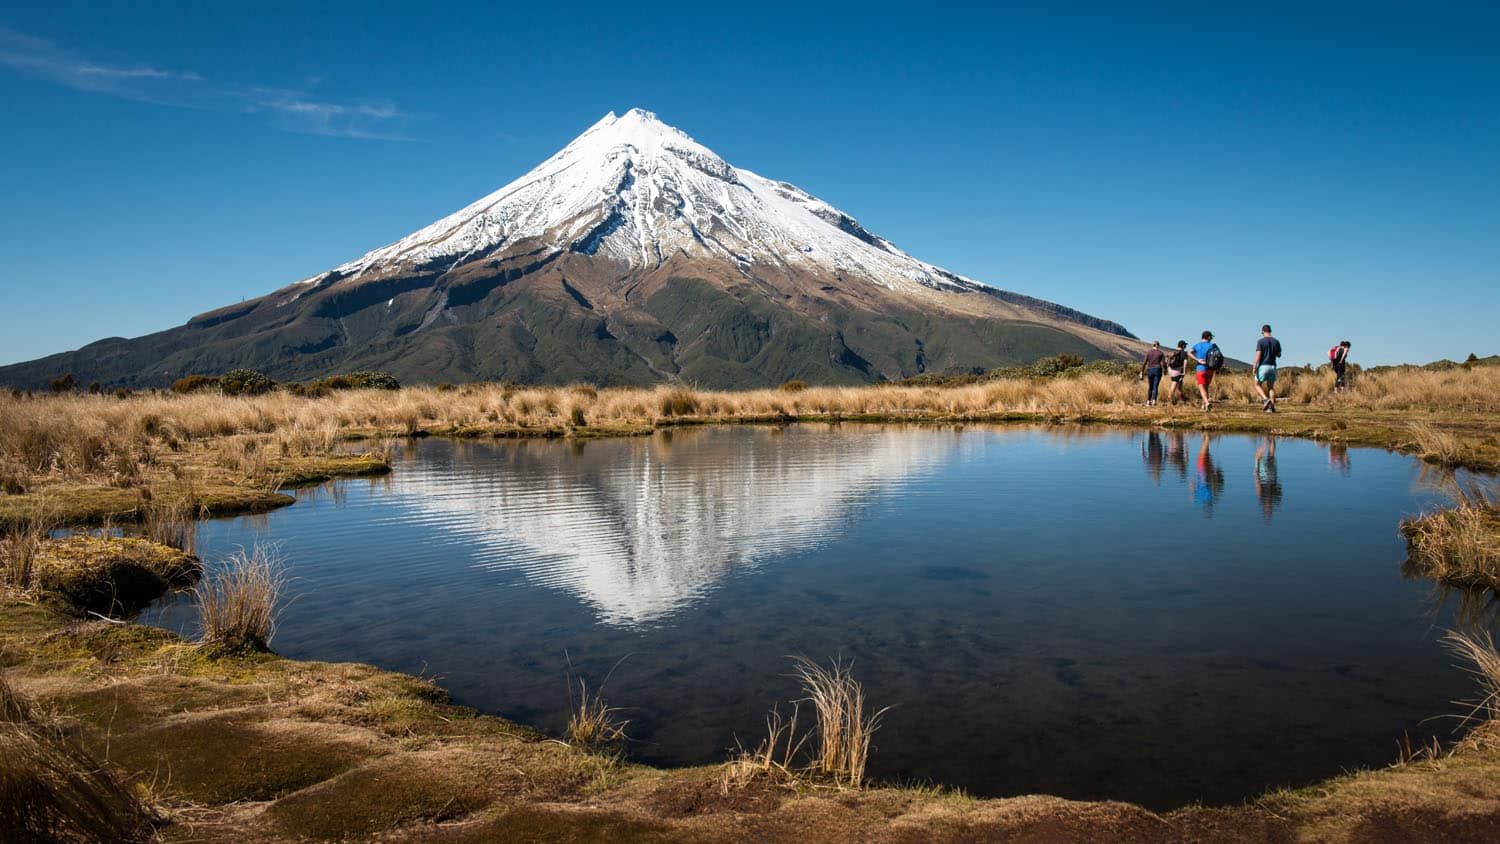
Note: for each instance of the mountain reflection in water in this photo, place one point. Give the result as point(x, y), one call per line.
point(1044, 616)
point(643, 531)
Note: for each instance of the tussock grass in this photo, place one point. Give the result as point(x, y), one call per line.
point(1476, 649)
point(1458, 545)
point(19, 549)
point(51, 790)
point(594, 724)
point(774, 759)
point(844, 731)
point(835, 748)
point(238, 604)
point(171, 522)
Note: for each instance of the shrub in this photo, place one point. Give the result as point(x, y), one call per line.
point(194, 383)
point(63, 384)
point(795, 385)
point(245, 382)
point(365, 380)
point(577, 417)
point(372, 380)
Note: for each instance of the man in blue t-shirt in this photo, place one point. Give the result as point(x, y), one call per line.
point(1199, 354)
point(1267, 350)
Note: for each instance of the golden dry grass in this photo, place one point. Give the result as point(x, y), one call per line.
point(50, 790)
point(127, 442)
point(1476, 649)
point(844, 731)
point(238, 603)
point(1460, 544)
point(19, 549)
point(593, 724)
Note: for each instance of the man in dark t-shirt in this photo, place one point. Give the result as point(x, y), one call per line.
point(1267, 351)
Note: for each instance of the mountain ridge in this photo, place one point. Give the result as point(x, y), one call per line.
point(633, 255)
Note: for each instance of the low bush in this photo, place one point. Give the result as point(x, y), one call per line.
point(245, 382)
point(193, 383)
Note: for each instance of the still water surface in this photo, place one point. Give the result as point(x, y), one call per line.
point(1156, 617)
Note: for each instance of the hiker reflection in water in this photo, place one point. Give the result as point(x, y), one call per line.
point(1154, 454)
point(1209, 480)
point(1338, 458)
point(1177, 452)
point(1267, 483)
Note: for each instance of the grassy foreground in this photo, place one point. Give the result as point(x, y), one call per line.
point(157, 738)
point(217, 744)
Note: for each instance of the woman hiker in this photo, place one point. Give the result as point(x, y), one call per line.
point(1151, 371)
point(1176, 368)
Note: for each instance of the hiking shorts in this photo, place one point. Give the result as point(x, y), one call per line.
point(1265, 374)
point(1174, 374)
point(1205, 377)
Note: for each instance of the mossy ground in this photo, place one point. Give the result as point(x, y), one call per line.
point(110, 574)
point(213, 492)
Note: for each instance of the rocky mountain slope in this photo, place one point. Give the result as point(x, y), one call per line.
point(634, 255)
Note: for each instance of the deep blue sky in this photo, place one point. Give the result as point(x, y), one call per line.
point(1335, 173)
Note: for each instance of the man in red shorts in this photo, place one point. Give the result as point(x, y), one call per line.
point(1199, 353)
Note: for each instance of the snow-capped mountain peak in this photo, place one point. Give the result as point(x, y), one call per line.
point(636, 190)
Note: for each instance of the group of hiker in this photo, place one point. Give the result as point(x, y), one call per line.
point(1208, 360)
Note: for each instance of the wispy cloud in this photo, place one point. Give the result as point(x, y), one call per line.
point(39, 57)
point(290, 110)
point(299, 111)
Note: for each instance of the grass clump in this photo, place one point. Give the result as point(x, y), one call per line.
point(774, 759)
point(19, 548)
point(593, 724)
point(836, 748)
point(844, 732)
point(1477, 649)
point(1458, 545)
point(51, 790)
point(678, 401)
point(170, 522)
point(238, 604)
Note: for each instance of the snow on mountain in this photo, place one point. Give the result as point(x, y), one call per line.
point(633, 189)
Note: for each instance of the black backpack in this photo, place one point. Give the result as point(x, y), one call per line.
point(1214, 359)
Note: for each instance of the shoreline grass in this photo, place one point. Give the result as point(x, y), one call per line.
point(348, 751)
point(1458, 545)
point(238, 604)
point(92, 458)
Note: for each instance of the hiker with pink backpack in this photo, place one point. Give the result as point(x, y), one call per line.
point(1339, 357)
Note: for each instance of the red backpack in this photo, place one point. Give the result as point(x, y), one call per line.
point(1333, 353)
